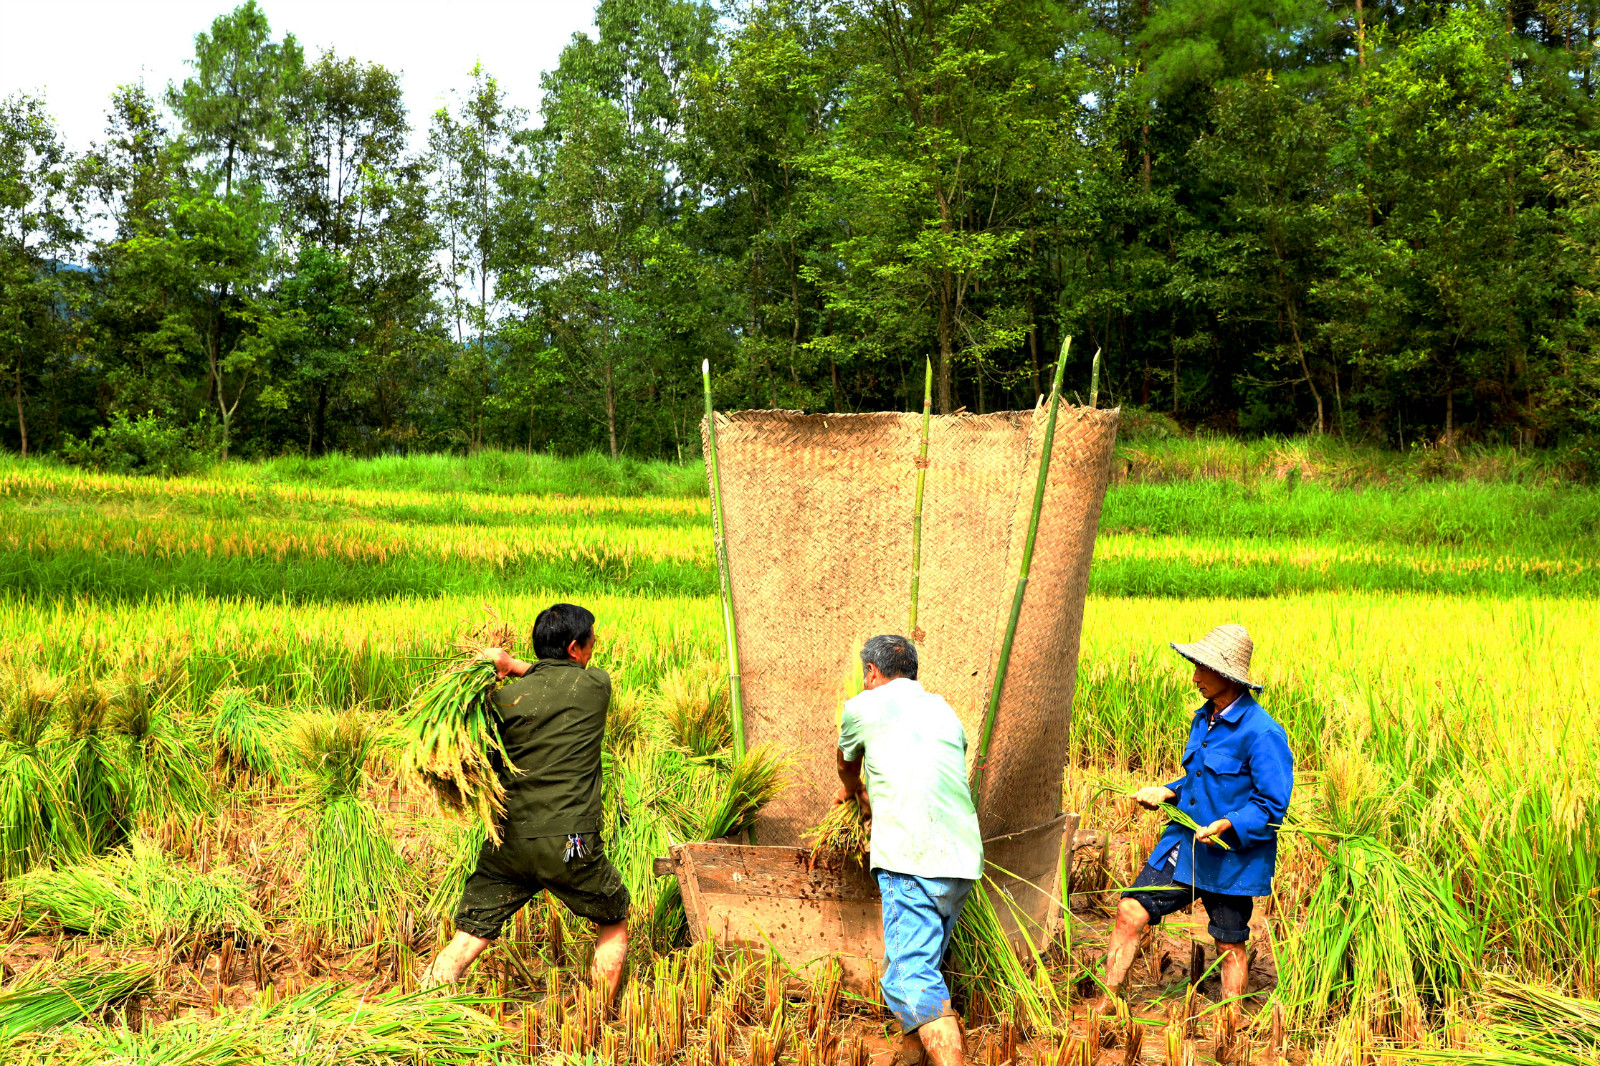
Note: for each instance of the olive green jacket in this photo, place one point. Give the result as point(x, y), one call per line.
point(553, 723)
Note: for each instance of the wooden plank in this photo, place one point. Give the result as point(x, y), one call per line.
point(663, 867)
point(776, 872)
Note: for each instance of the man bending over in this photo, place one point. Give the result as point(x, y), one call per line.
point(553, 721)
point(904, 747)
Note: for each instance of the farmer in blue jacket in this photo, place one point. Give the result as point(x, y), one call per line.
point(1238, 773)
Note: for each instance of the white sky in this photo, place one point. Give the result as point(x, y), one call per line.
point(77, 51)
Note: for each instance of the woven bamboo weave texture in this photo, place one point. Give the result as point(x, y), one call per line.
point(817, 513)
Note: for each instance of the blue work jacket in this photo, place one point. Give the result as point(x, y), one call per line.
point(1240, 769)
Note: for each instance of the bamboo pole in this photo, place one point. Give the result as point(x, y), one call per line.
point(730, 627)
point(1094, 381)
point(916, 517)
point(1022, 575)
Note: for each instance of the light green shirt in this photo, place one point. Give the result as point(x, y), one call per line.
point(915, 770)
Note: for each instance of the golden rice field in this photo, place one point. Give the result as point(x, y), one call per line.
point(1450, 725)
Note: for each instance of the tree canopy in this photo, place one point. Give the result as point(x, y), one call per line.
point(1268, 216)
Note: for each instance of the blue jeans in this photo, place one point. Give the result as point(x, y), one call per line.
point(919, 917)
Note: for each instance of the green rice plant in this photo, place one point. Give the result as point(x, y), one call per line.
point(46, 996)
point(451, 740)
point(157, 761)
point(842, 836)
point(244, 735)
point(137, 894)
point(88, 781)
point(1381, 937)
point(37, 819)
point(354, 878)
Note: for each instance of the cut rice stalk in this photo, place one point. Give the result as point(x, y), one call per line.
point(49, 996)
point(842, 836)
point(355, 878)
point(452, 740)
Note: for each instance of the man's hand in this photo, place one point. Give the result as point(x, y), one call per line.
point(845, 795)
point(502, 662)
point(1152, 796)
point(1213, 831)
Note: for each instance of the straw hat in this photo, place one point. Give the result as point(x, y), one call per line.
point(1226, 649)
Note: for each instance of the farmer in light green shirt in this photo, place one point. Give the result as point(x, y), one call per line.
point(903, 756)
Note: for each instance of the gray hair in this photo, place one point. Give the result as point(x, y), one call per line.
point(893, 655)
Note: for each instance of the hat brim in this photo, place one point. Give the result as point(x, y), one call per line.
point(1204, 657)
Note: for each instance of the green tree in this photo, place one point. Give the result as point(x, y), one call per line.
point(233, 107)
point(613, 278)
point(953, 114)
point(472, 159)
point(39, 224)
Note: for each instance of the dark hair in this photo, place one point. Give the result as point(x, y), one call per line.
point(558, 626)
point(894, 656)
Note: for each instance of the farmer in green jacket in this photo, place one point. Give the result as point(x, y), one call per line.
point(553, 721)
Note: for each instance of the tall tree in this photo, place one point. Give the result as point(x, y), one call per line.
point(232, 108)
point(39, 226)
point(472, 156)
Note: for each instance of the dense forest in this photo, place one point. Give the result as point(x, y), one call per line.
point(1372, 219)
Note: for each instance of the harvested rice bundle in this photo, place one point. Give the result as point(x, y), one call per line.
point(48, 996)
point(730, 809)
point(323, 1024)
point(159, 762)
point(354, 876)
point(136, 894)
point(1175, 814)
point(244, 734)
point(1380, 936)
point(842, 836)
point(88, 779)
point(36, 818)
point(451, 738)
point(752, 784)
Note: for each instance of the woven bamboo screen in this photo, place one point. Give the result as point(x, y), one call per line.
point(817, 517)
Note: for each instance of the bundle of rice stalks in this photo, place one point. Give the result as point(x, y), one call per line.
point(1521, 1024)
point(137, 894)
point(1381, 938)
point(323, 1024)
point(750, 786)
point(354, 878)
point(46, 996)
point(36, 815)
point(468, 842)
point(842, 836)
point(1175, 814)
point(449, 732)
point(88, 782)
point(987, 971)
point(244, 735)
point(159, 763)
